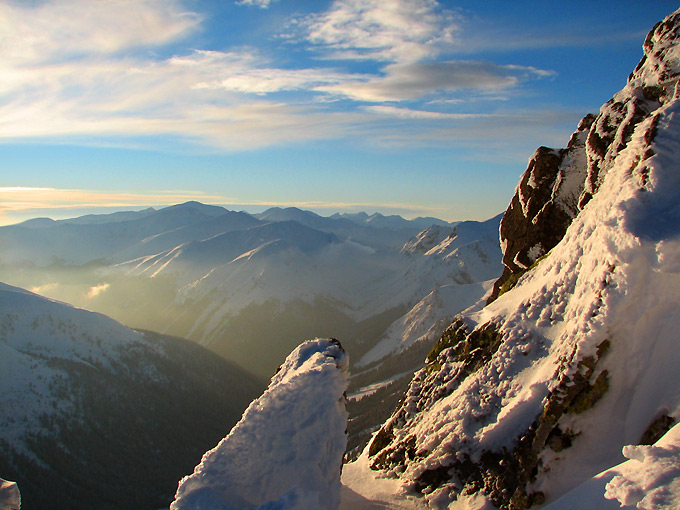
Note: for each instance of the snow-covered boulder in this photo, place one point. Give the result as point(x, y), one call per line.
point(286, 452)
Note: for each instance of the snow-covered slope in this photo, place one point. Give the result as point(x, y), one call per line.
point(286, 452)
point(467, 255)
point(428, 319)
point(649, 480)
point(88, 404)
point(227, 290)
point(543, 388)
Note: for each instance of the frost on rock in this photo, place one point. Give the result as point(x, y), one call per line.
point(540, 391)
point(650, 480)
point(559, 183)
point(286, 452)
point(10, 498)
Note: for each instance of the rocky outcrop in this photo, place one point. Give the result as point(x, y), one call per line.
point(516, 402)
point(558, 183)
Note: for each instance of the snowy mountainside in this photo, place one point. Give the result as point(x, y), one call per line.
point(427, 239)
point(467, 253)
point(307, 218)
point(286, 451)
point(209, 227)
point(193, 259)
point(88, 404)
point(577, 356)
point(428, 319)
point(224, 279)
point(331, 276)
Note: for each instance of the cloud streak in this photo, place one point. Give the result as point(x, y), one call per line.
point(18, 199)
point(76, 69)
point(21, 203)
point(39, 33)
point(262, 4)
point(417, 80)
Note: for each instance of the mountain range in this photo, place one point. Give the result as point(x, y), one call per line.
point(227, 279)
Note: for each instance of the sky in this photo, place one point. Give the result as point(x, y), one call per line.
point(411, 107)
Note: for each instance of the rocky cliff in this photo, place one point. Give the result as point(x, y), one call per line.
point(574, 357)
point(558, 183)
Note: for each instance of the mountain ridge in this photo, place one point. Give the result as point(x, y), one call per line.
point(89, 404)
point(518, 401)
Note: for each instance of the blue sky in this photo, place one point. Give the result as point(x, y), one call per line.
point(414, 107)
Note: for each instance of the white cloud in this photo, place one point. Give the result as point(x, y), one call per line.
point(72, 70)
point(97, 290)
point(42, 289)
point(262, 4)
point(258, 78)
point(17, 199)
point(416, 80)
point(57, 29)
point(410, 114)
point(198, 96)
point(383, 30)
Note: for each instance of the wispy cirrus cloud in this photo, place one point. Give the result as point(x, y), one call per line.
point(21, 203)
point(73, 68)
point(41, 32)
point(409, 38)
point(17, 199)
point(409, 113)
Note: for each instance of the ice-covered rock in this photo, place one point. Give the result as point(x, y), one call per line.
point(286, 452)
point(558, 183)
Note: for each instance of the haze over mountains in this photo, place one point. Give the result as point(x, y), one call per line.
point(228, 279)
point(540, 397)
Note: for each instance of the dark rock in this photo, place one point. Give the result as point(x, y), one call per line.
point(657, 429)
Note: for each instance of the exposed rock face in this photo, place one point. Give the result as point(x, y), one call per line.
point(558, 183)
point(517, 401)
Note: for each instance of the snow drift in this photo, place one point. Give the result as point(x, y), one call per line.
point(286, 452)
